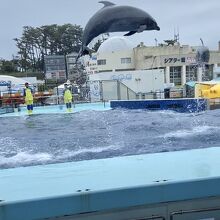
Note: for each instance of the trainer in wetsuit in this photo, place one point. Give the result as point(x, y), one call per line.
point(67, 95)
point(28, 94)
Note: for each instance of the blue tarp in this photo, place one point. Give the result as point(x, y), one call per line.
point(191, 83)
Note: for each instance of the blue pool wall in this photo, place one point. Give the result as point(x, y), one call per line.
point(55, 190)
point(179, 105)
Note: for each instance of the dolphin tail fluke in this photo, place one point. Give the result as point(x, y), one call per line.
point(130, 33)
point(87, 51)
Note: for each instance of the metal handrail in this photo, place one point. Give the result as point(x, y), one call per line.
point(181, 212)
point(119, 84)
point(128, 88)
point(151, 217)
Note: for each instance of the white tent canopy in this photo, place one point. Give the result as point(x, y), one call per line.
point(14, 83)
point(62, 85)
point(59, 90)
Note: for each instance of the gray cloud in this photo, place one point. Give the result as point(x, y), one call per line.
point(194, 18)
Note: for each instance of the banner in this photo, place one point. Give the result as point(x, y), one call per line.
point(95, 91)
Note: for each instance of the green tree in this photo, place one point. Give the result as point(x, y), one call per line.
point(7, 66)
point(53, 39)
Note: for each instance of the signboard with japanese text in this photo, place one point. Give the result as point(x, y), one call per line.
point(95, 91)
point(178, 60)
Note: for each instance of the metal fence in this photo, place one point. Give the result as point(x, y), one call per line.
point(214, 104)
point(105, 90)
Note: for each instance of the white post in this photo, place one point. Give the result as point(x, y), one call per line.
point(167, 74)
point(183, 75)
point(199, 74)
point(214, 70)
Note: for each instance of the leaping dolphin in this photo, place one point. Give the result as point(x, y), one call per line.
point(202, 55)
point(113, 18)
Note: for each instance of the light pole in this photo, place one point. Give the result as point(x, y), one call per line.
point(66, 69)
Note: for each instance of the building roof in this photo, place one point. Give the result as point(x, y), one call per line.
point(114, 44)
point(13, 81)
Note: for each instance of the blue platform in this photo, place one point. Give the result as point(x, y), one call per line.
point(57, 109)
point(80, 187)
point(179, 105)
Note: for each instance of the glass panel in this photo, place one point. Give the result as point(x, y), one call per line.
point(125, 60)
point(126, 93)
point(207, 73)
point(101, 62)
point(123, 92)
point(175, 75)
point(109, 90)
point(131, 95)
point(191, 73)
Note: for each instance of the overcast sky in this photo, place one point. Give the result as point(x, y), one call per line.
point(195, 19)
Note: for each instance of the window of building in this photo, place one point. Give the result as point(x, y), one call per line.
point(72, 66)
point(101, 62)
point(53, 68)
point(71, 59)
point(62, 75)
point(49, 61)
point(125, 60)
point(53, 75)
point(191, 73)
point(183, 59)
point(60, 62)
point(175, 75)
point(207, 73)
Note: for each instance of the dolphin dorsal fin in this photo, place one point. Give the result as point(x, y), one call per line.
point(106, 3)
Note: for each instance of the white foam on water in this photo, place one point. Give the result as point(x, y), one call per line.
point(7, 141)
point(67, 153)
point(25, 158)
point(192, 132)
point(8, 145)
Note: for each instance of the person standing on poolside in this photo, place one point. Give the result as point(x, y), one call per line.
point(67, 96)
point(28, 94)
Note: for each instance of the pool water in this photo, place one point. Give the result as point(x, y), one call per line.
point(94, 132)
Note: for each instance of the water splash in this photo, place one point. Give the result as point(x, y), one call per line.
point(87, 135)
point(205, 130)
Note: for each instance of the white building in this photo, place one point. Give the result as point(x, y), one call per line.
point(115, 61)
point(149, 68)
point(178, 61)
point(115, 54)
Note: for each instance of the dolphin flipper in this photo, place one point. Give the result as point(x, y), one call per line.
point(130, 33)
point(85, 51)
point(106, 3)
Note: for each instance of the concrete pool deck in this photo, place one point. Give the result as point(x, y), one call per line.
point(37, 192)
